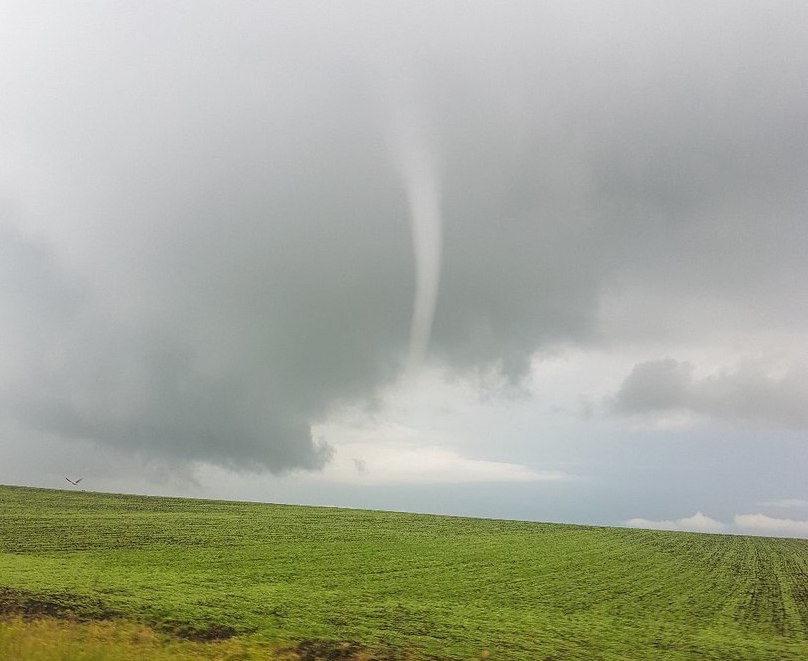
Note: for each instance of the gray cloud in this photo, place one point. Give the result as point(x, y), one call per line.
point(657, 385)
point(786, 503)
point(208, 246)
point(745, 394)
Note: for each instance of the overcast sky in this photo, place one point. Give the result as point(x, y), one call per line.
point(525, 260)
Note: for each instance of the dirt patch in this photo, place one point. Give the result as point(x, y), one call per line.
point(84, 609)
point(199, 631)
point(331, 650)
point(341, 650)
point(64, 605)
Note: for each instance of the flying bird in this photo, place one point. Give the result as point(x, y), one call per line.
point(74, 483)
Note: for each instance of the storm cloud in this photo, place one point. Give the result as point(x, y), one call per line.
point(745, 394)
point(206, 247)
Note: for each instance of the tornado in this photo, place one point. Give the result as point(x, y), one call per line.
point(415, 160)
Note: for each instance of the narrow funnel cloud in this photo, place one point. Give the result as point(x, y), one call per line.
point(416, 163)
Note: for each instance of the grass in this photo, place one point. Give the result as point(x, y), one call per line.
point(249, 578)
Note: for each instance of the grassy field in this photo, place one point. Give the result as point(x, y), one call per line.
point(140, 577)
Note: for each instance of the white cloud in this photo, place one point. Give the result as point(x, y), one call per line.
point(394, 453)
point(390, 464)
point(743, 524)
point(772, 525)
point(696, 523)
point(387, 464)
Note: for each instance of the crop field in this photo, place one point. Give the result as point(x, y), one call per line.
point(115, 576)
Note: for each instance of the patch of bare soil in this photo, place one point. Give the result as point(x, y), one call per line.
point(341, 650)
point(82, 609)
point(28, 604)
point(199, 631)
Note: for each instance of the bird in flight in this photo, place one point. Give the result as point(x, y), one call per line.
point(74, 483)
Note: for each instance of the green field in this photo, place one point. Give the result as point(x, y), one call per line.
point(252, 577)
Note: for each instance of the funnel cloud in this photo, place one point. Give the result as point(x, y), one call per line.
point(415, 160)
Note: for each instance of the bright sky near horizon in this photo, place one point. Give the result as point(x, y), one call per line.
point(526, 260)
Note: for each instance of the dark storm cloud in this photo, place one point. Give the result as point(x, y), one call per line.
point(741, 395)
point(75, 374)
point(217, 247)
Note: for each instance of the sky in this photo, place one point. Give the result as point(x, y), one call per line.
point(543, 261)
